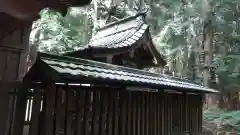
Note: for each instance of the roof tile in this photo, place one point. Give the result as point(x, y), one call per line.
point(120, 37)
point(111, 36)
point(77, 68)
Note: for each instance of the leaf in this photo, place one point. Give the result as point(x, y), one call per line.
point(235, 75)
point(237, 57)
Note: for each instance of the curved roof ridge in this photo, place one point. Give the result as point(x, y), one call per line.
point(114, 40)
point(122, 21)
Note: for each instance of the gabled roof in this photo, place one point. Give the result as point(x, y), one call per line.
point(120, 36)
point(123, 33)
point(67, 69)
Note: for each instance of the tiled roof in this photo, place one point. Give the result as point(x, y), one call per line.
point(79, 69)
point(119, 35)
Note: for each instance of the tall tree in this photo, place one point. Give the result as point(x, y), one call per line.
point(208, 46)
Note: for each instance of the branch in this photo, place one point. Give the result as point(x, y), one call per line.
point(208, 129)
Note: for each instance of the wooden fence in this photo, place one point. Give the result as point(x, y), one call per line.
point(108, 111)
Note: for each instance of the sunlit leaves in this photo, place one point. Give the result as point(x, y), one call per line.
point(56, 34)
point(182, 26)
point(176, 26)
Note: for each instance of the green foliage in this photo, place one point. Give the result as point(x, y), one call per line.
point(228, 118)
point(179, 31)
point(176, 26)
point(53, 33)
point(56, 34)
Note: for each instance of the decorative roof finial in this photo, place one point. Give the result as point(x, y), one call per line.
point(140, 9)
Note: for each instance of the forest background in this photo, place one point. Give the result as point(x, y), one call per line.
point(200, 40)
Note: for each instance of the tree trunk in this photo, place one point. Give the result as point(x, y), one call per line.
point(192, 63)
point(208, 49)
point(95, 17)
point(86, 37)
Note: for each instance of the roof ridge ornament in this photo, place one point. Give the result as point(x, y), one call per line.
point(140, 9)
point(142, 13)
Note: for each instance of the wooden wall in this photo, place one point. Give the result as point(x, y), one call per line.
point(112, 112)
point(14, 47)
point(10, 59)
point(13, 52)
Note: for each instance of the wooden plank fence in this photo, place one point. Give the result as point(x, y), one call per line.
point(75, 111)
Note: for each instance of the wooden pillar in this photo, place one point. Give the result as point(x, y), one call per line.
point(34, 126)
point(17, 45)
point(147, 113)
point(79, 111)
point(86, 112)
point(95, 113)
point(20, 110)
point(9, 58)
point(186, 112)
point(124, 113)
point(110, 113)
point(24, 40)
point(10, 53)
point(4, 107)
point(48, 108)
point(58, 111)
point(151, 113)
point(103, 113)
point(142, 98)
point(154, 114)
point(129, 114)
point(201, 100)
point(162, 106)
point(115, 113)
point(68, 115)
point(139, 120)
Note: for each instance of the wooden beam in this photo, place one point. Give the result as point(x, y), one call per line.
point(110, 113)
point(103, 113)
point(115, 113)
point(34, 126)
point(58, 111)
point(141, 102)
point(13, 84)
point(134, 119)
point(109, 59)
point(155, 114)
point(147, 103)
point(79, 111)
point(12, 47)
point(129, 114)
point(162, 105)
point(23, 64)
point(68, 114)
point(156, 54)
point(20, 110)
point(87, 101)
point(48, 108)
point(4, 99)
point(95, 113)
point(121, 114)
point(124, 112)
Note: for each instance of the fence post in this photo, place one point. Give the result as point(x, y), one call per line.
point(4, 107)
point(20, 112)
